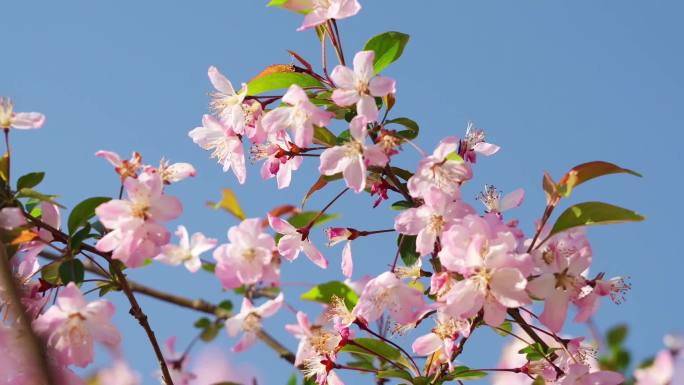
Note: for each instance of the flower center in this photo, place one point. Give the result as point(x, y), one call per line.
point(249, 254)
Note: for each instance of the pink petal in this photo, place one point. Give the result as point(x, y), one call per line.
point(343, 78)
point(555, 310)
point(494, 313)
point(345, 97)
point(246, 342)
point(220, 82)
point(512, 199)
point(355, 174)
point(270, 307)
point(341, 9)
point(375, 156)
point(28, 120)
point(363, 65)
point(332, 160)
point(314, 255)
point(508, 287)
point(426, 344)
point(486, 149)
point(316, 17)
point(111, 157)
point(446, 146)
point(357, 128)
point(425, 242)
point(165, 208)
point(289, 246)
point(70, 299)
point(281, 226)
point(367, 108)
point(543, 286)
point(381, 86)
point(295, 95)
point(347, 262)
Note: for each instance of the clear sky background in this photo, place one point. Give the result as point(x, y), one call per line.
point(554, 83)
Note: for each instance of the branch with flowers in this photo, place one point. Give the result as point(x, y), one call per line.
point(453, 271)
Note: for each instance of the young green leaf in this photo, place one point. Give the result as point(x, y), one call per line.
point(82, 212)
point(388, 47)
point(593, 213)
point(395, 373)
point(412, 128)
point(368, 346)
point(407, 249)
point(30, 180)
point(280, 80)
point(323, 293)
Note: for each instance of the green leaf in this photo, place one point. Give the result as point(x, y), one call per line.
point(30, 180)
point(280, 80)
point(412, 127)
point(71, 270)
point(323, 136)
point(202, 323)
point(505, 329)
point(454, 156)
point(407, 250)
point(50, 273)
point(82, 212)
point(292, 380)
point(302, 219)
point(535, 351)
point(324, 292)
point(76, 240)
point(28, 193)
point(616, 336)
point(105, 287)
point(209, 267)
point(388, 47)
point(395, 373)
point(464, 373)
point(379, 347)
point(401, 205)
point(276, 3)
point(226, 305)
point(588, 171)
point(210, 332)
point(593, 213)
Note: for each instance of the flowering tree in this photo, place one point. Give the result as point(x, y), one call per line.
point(454, 270)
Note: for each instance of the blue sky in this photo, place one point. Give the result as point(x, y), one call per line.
point(554, 83)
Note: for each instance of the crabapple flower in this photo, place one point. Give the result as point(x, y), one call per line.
point(588, 303)
point(441, 171)
point(353, 157)
point(561, 262)
point(321, 368)
point(474, 143)
point(248, 321)
point(337, 235)
point(188, 250)
point(136, 234)
point(118, 374)
point(431, 219)
point(226, 144)
point(226, 103)
point(442, 336)
point(300, 116)
point(492, 274)
point(277, 163)
point(314, 340)
point(579, 374)
point(491, 199)
point(293, 242)
point(320, 11)
point(72, 325)
point(386, 291)
point(177, 363)
point(125, 168)
point(249, 253)
point(176, 172)
point(659, 373)
point(360, 86)
point(19, 120)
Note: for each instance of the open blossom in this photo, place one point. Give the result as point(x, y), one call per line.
point(125, 168)
point(226, 144)
point(248, 320)
point(442, 336)
point(176, 172)
point(440, 171)
point(360, 86)
point(561, 262)
point(579, 374)
point(136, 233)
point(431, 219)
point(300, 116)
point(474, 143)
point(491, 269)
point(314, 340)
point(319, 11)
point(293, 242)
point(659, 373)
point(245, 259)
point(226, 103)
point(188, 250)
point(277, 163)
point(19, 120)
point(386, 291)
point(589, 300)
point(353, 157)
point(73, 325)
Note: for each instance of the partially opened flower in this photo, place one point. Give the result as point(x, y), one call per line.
point(441, 170)
point(227, 145)
point(125, 168)
point(494, 203)
point(314, 340)
point(293, 242)
point(300, 116)
point(442, 337)
point(360, 86)
point(248, 321)
point(386, 291)
point(226, 103)
point(19, 120)
point(188, 251)
point(73, 325)
point(353, 158)
point(176, 172)
point(319, 11)
point(474, 143)
point(277, 162)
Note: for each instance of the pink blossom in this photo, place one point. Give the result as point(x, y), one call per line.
point(428, 221)
point(277, 163)
point(11, 218)
point(72, 326)
point(353, 157)
point(118, 374)
point(249, 253)
point(314, 340)
point(248, 321)
point(226, 144)
point(360, 86)
point(188, 251)
point(659, 373)
point(490, 267)
point(319, 11)
point(579, 374)
point(19, 120)
point(441, 170)
point(474, 143)
point(510, 358)
point(561, 262)
point(442, 337)
point(491, 199)
point(339, 234)
point(177, 362)
point(125, 168)
point(176, 172)
point(321, 368)
point(293, 242)
point(588, 302)
point(300, 116)
point(386, 291)
point(136, 234)
point(226, 103)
